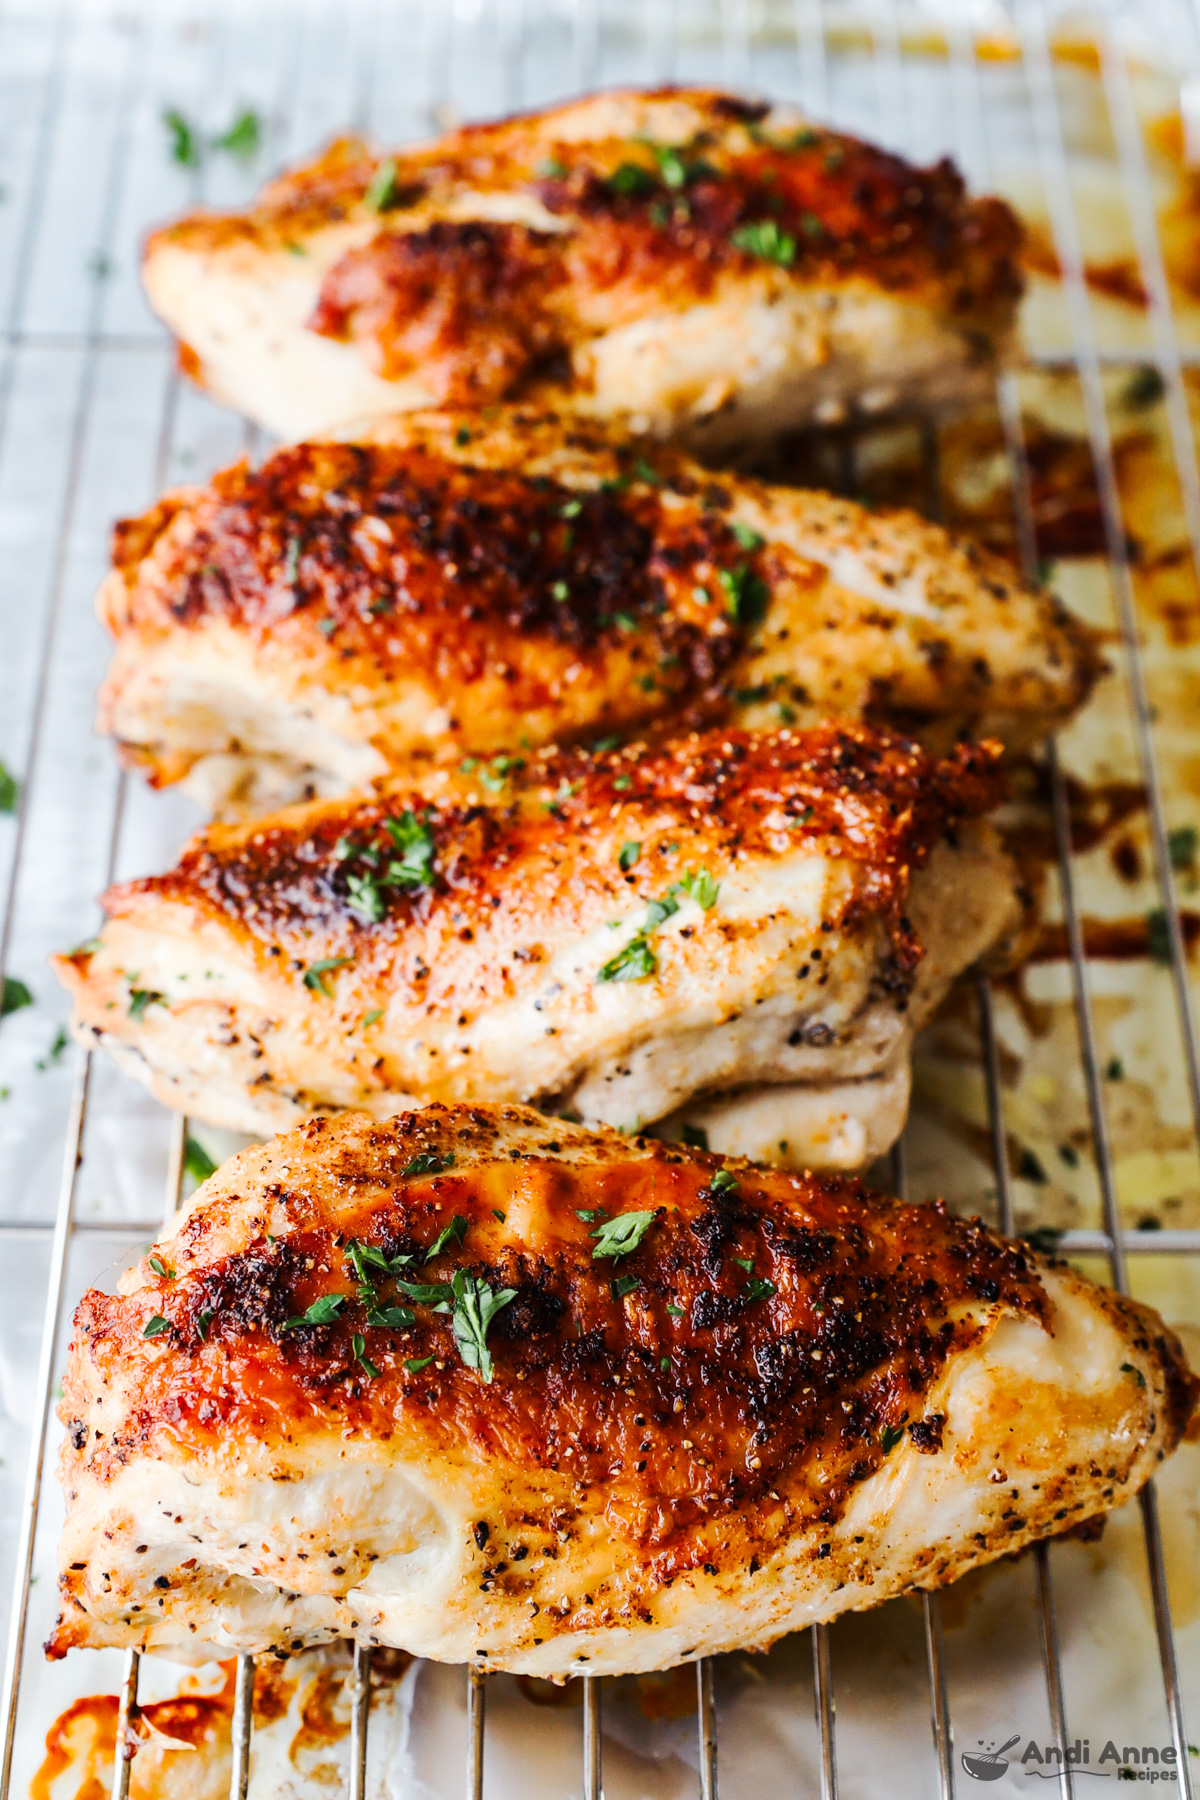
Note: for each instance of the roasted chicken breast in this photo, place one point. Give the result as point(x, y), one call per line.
point(683, 262)
point(494, 1389)
point(299, 628)
point(618, 935)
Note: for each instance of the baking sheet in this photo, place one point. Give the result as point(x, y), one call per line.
point(94, 423)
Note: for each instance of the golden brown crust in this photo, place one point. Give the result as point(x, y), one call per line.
point(795, 1318)
point(478, 306)
point(527, 842)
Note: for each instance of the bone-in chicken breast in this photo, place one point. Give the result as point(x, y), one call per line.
point(494, 1389)
point(295, 629)
point(682, 262)
point(612, 934)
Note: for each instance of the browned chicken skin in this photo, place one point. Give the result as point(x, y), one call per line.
point(615, 933)
point(491, 1388)
point(302, 627)
point(682, 262)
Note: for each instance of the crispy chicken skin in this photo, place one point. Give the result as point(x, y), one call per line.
point(299, 628)
point(613, 934)
point(682, 262)
point(785, 1400)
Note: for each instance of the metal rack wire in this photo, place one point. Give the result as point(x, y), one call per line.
point(810, 24)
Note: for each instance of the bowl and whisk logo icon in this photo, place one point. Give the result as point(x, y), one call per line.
point(988, 1764)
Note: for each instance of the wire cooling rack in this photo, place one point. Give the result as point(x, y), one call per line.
point(94, 421)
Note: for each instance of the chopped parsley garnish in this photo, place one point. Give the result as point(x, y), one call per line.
point(373, 1017)
point(156, 1326)
point(475, 1306)
point(701, 887)
point(1145, 387)
point(1181, 843)
point(746, 594)
point(658, 911)
point(365, 1257)
point(497, 1214)
point(364, 897)
point(695, 1136)
point(1045, 1238)
point(414, 1364)
point(624, 1284)
point(161, 1268)
point(390, 1318)
point(621, 1236)
point(628, 854)
point(358, 1345)
point(495, 774)
point(722, 1182)
point(413, 838)
point(599, 747)
point(744, 1262)
point(802, 818)
point(437, 1294)
point(644, 472)
point(185, 144)
point(55, 1052)
point(139, 1000)
point(243, 137)
point(382, 190)
point(635, 962)
point(631, 179)
point(1158, 935)
point(746, 535)
point(676, 1312)
point(1129, 1369)
point(759, 1289)
point(291, 562)
point(1114, 1069)
point(551, 168)
point(589, 1214)
point(427, 1162)
point(323, 1311)
point(570, 509)
point(453, 1233)
point(623, 783)
point(316, 976)
point(765, 239)
point(889, 1437)
point(10, 791)
point(197, 1162)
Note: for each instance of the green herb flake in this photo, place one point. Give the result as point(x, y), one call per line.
point(390, 1318)
point(316, 976)
point(551, 169)
point(722, 1182)
point(197, 1162)
point(291, 562)
point(759, 1289)
point(475, 1306)
point(161, 1268)
point(589, 1214)
point(323, 1311)
point(364, 898)
point(381, 193)
point(139, 1000)
point(628, 854)
point(1145, 387)
point(658, 911)
point(54, 1054)
point(621, 1235)
point(664, 1363)
point(453, 1233)
point(700, 886)
point(747, 595)
point(203, 1321)
point(358, 1345)
point(1158, 935)
point(184, 146)
point(746, 536)
point(414, 1364)
point(156, 1326)
point(623, 783)
point(413, 838)
point(1181, 845)
point(462, 435)
point(643, 471)
point(764, 239)
point(1131, 1369)
point(10, 791)
point(497, 1214)
point(373, 1017)
point(889, 1437)
point(1114, 1069)
point(636, 962)
point(365, 1257)
point(622, 1285)
point(243, 138)
point(676, 1312)
point(631, 180)
point(427, 1162)
point(327, 626)
point(694, 1136)
point(427, 1293)
point(744, 1262)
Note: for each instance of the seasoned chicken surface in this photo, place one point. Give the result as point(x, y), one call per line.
point(683, 262)
point(494, 1389)
point(299, 628)
point(612, 934)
